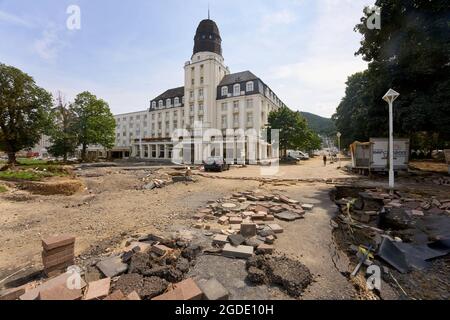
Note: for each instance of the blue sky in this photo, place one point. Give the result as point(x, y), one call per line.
point(128, 52)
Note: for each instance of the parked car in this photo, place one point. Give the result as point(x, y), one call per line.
point(289, 159)
point(298, 154)
point(216, 164)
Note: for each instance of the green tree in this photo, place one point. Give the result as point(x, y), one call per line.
point(63, 135)
point(411, 54)
point(95, 123)
point(293, 129)
point(24, 110)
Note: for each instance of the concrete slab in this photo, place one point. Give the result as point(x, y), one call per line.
point(112, 266)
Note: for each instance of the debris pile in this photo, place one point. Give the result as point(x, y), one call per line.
point(247, 221)
point(151, 268)
point(402, 231)
point(160, 179)
point(289, 274)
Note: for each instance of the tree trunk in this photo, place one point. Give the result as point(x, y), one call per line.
point(12, 159)
point(65, 157)
point(83, 153)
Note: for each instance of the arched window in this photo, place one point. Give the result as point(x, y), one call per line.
point(249, 86)
point(177, 101)
point(154, 104)
point(237, 89)
point(168, 103)
point(224, 91)
point(160, 103)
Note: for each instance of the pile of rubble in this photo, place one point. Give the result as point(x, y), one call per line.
point(247, 221)
point(162, 179)
point(151, 268)
point(405, 232)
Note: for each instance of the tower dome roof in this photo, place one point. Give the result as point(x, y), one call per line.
point(207, 38)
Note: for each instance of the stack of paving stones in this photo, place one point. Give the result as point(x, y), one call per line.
point(249, 221)
point(58, 254)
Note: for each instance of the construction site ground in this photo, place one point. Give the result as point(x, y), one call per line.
point(114, 206)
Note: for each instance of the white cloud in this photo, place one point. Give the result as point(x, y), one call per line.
point(269, 20)
point(13, 19)
point(49, 44)
point(316, 82)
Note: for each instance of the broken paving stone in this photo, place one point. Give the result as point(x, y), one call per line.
point(266, 232)
point(270, 239)
point(116, 296)
point(133, 296)
point(229, 205)
point(213, 290)
point(248, 229)
point(253, 242)
point(276, 228)
point(276, 209)
point(60, 293)
point(160, 249)
point(287, 216)
point(237, 252)
point(98, 289)
point(235, 227)
point(223, 220)
point(269, 217)
point(53, 282)
point(220, 239)
point(236, 239)
point(306, 206)
point(264, 249)
point(184, 290)
point(235, 220)
point(112, 266)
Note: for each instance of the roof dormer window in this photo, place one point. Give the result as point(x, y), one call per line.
point(237, 89)
point(224, 91)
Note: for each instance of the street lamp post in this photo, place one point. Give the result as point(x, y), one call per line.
point(339, 147)
point(390, 97)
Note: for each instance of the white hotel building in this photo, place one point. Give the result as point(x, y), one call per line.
point(211, 95)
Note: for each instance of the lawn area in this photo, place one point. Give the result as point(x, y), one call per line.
point(23, 175)
point(27, 162)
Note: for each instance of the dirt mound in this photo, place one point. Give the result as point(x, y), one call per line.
point(146, 287)
point(280, 270)
point(52, 187)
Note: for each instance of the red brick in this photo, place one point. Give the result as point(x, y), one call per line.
point(57, 241)
point(133, 296)
point(116, 296)
point(70, 247)
point(265, 248)
point(33, 294)
point(57, 269)
point(184, 290)
point(60, 292)
point(98, 289)
point(160, 249)
point(53, 260)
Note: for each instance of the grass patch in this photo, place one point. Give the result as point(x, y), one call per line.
point(3, 189)
point(21, 175)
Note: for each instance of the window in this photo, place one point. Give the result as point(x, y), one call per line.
point(250, 103)
point(168, 103)
point(236, 120)
point(191, 94)
point(237, 89)
point(200, 106)
point(177, 101)
point(154, 104)
point(160, 103)
point(249, 118)
point(200, 118)
point(182, 100)
point(191, 108)
point(159, 115)
point(192, 69)
point(224, 121)
point(200, 92)
point(145, 123)
point(224, 107)
point(249, 86)
point(202, 80)
point(153, 116)
point(236, 105)
point(224, 91)
point(138, 117)
point(192, 81)
point(191, 120)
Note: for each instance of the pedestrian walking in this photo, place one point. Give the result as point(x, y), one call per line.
point(324, 160)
